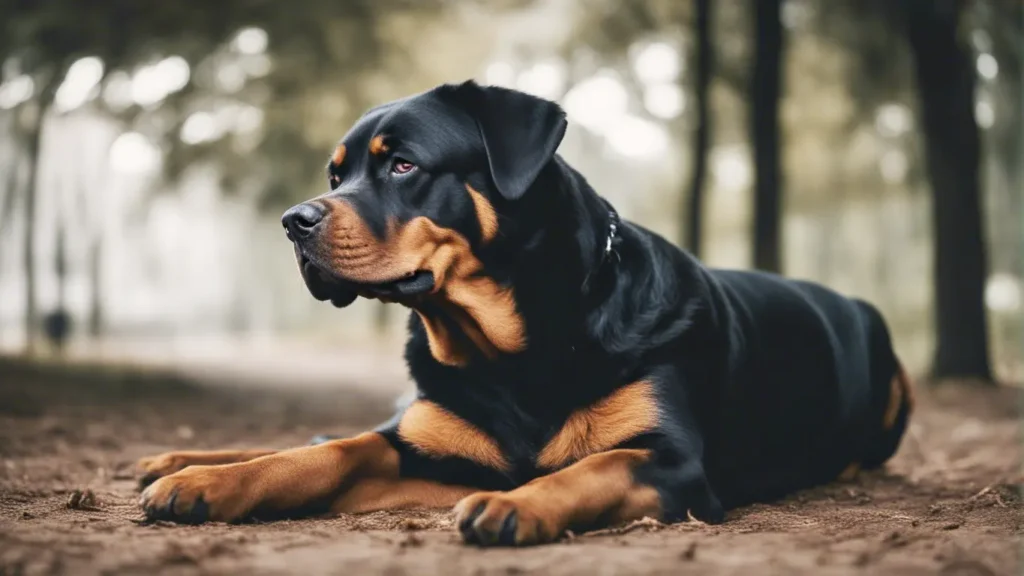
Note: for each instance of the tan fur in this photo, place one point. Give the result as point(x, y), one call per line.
point(443, 346)
point(355, 474)
point(483, 311)
point(170, 462)
point(625, 414)
point(377, 145)
point(900, 391)
point(599, 490)
point(339, 155)
point(485, 214)
point(908, 387)
point(436, 432)
point(849, 473)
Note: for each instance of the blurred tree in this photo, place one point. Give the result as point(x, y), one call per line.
point(999, 31)
point(695, 214)
point(57, 323)
point(764, 117)
point(612, 31)
point(946, 84)
point(10, 194)
point(41, 41)
point(36, 115)
point(314, 79)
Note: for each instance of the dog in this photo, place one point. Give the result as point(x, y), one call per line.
point(573, 370)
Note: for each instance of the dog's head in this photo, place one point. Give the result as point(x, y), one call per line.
point(416, 189)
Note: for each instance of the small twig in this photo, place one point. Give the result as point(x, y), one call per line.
point(644, 523)
point(984, 491)
point(689, 516)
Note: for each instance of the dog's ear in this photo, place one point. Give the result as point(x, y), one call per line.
point(520, 132)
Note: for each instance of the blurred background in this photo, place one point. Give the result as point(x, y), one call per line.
point(147, 151)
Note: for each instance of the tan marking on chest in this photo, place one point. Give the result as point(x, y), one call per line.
point(434, 431)
point(625, 414)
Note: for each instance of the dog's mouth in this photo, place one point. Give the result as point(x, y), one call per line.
point(325, 285)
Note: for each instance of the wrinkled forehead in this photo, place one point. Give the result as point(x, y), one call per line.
point(424, 125)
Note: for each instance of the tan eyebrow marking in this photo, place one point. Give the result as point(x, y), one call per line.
point(339, 155)
point(377, 145)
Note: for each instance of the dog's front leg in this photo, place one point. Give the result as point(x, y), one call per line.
point(351, 475)
point(155, 467)
point(600, 490)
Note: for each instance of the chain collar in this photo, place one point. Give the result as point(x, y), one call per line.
point(612, 241)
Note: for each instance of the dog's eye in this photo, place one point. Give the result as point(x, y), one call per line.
point(402, 166)
point(334, 180)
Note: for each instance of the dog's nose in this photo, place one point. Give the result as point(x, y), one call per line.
point(301, 220)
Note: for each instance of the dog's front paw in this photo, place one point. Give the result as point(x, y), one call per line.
point(504, 519)
point(198, 494)
point(155, 467)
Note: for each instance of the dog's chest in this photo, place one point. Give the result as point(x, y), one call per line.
point(520, 449)
point(624, 414)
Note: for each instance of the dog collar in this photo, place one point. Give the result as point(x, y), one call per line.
point(611, 243)
point(613, 239)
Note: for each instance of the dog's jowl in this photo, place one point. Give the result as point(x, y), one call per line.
point(573, 370)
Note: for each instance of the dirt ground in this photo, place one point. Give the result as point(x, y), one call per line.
point(950, 503)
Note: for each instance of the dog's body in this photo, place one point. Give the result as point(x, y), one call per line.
point(579, 370)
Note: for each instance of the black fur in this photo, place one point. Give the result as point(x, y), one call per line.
point(764, 385)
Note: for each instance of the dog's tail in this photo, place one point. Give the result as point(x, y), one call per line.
point(893, 388)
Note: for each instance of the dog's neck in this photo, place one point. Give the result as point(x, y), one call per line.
point(597, 231)
point(573, 251)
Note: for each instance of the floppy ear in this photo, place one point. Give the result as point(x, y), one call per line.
point(520, 133)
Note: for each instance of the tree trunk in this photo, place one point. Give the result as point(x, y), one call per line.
point(945, 83)
point(96, 287)
point(29, 244)
point(7, 208)
point(694, 215)
point(382, 319)
point(764, 117)
point(10, 193)
point(34, 150)
point(94, 324)
point(58, 322)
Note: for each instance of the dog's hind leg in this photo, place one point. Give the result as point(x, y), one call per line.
point(894, 420)
point(892, 393)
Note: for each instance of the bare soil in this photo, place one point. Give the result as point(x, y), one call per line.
point(949, 503)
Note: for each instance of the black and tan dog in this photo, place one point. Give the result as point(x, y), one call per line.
point(573, 371)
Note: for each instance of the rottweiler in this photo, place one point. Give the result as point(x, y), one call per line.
point(573, 370)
